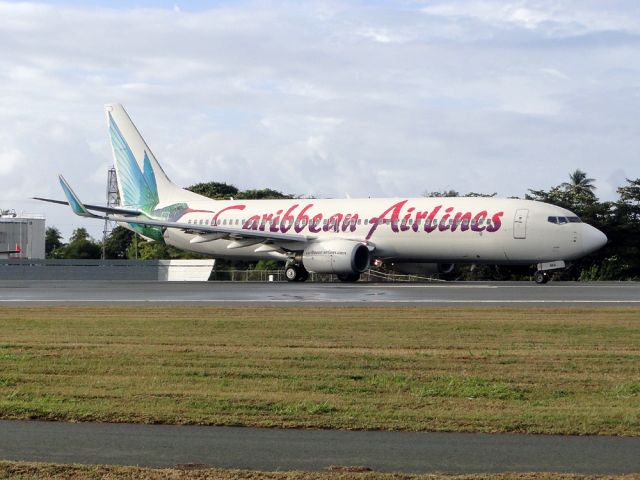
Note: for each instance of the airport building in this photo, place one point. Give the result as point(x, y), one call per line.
point(24, 232)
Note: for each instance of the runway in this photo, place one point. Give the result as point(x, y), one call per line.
point(314, 450)
point(240, 293)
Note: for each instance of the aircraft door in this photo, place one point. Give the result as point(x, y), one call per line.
point(520, 223)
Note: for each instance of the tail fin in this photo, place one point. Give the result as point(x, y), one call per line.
point(142, 183)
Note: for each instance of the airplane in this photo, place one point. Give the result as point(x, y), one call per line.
point(334, 236)
point(8, 252)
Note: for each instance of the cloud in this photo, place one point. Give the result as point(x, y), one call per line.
point(321, 98)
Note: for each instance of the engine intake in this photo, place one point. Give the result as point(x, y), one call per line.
point(336, 256)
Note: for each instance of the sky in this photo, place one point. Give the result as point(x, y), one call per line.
point(321, 98)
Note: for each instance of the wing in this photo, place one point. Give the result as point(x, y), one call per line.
point(97, 208)
point(235, 233)
point(83, 210)
point(135, 217)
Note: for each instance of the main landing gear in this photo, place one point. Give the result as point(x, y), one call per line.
point(296, 273)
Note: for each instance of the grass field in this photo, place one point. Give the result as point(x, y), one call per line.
point(548, 370)
point(24, 471)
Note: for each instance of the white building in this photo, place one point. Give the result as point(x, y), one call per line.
point(25, 230)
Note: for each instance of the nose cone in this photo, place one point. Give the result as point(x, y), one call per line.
point(593, 239)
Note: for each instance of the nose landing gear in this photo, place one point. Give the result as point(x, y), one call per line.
point(542, 273)
point(541, 277)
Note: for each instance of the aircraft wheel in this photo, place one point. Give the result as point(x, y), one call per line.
point(540, 277)
point(349, 277)
point(291, 273)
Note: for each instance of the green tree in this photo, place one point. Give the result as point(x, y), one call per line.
point(482, 195)
point(117, 244)
point(621, 256)
point(580, 184)
point(444, 193)
point(215, 190)
point(52, 241)
point(262, 194)
point(81, 246)
point(144, 250)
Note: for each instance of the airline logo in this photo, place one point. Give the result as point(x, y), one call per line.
point(400, 216)
point(138, 187)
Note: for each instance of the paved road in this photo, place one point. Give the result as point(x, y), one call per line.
point(454, 293)
point(274, 449)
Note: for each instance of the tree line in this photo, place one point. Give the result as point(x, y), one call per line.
point(619, 219)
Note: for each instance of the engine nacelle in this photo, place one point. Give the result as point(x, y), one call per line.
point(424, 268)
point(336, 256)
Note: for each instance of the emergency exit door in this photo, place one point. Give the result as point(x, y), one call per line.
point(520, 223)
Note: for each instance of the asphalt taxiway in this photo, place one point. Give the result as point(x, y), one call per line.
point(314, 450)
point(453, 293)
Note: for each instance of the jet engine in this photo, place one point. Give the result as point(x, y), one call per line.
point(342, 257)
point(424, 268)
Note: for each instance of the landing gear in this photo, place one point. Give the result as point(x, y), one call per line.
point(348, 277)
point(296, 273)
point(541, 277)
point(544, 269)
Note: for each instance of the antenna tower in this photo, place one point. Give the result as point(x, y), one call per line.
point(113, 200)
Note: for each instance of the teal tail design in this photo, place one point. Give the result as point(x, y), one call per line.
point(137, 188)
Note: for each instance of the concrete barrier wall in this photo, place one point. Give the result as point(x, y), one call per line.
point(143, 270)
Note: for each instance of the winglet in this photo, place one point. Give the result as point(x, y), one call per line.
point(75, 203)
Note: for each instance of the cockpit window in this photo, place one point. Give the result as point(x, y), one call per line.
point(563, 220)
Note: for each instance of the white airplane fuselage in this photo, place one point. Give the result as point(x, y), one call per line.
point(444, 230)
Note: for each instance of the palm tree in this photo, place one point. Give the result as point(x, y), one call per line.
point(579, 183)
